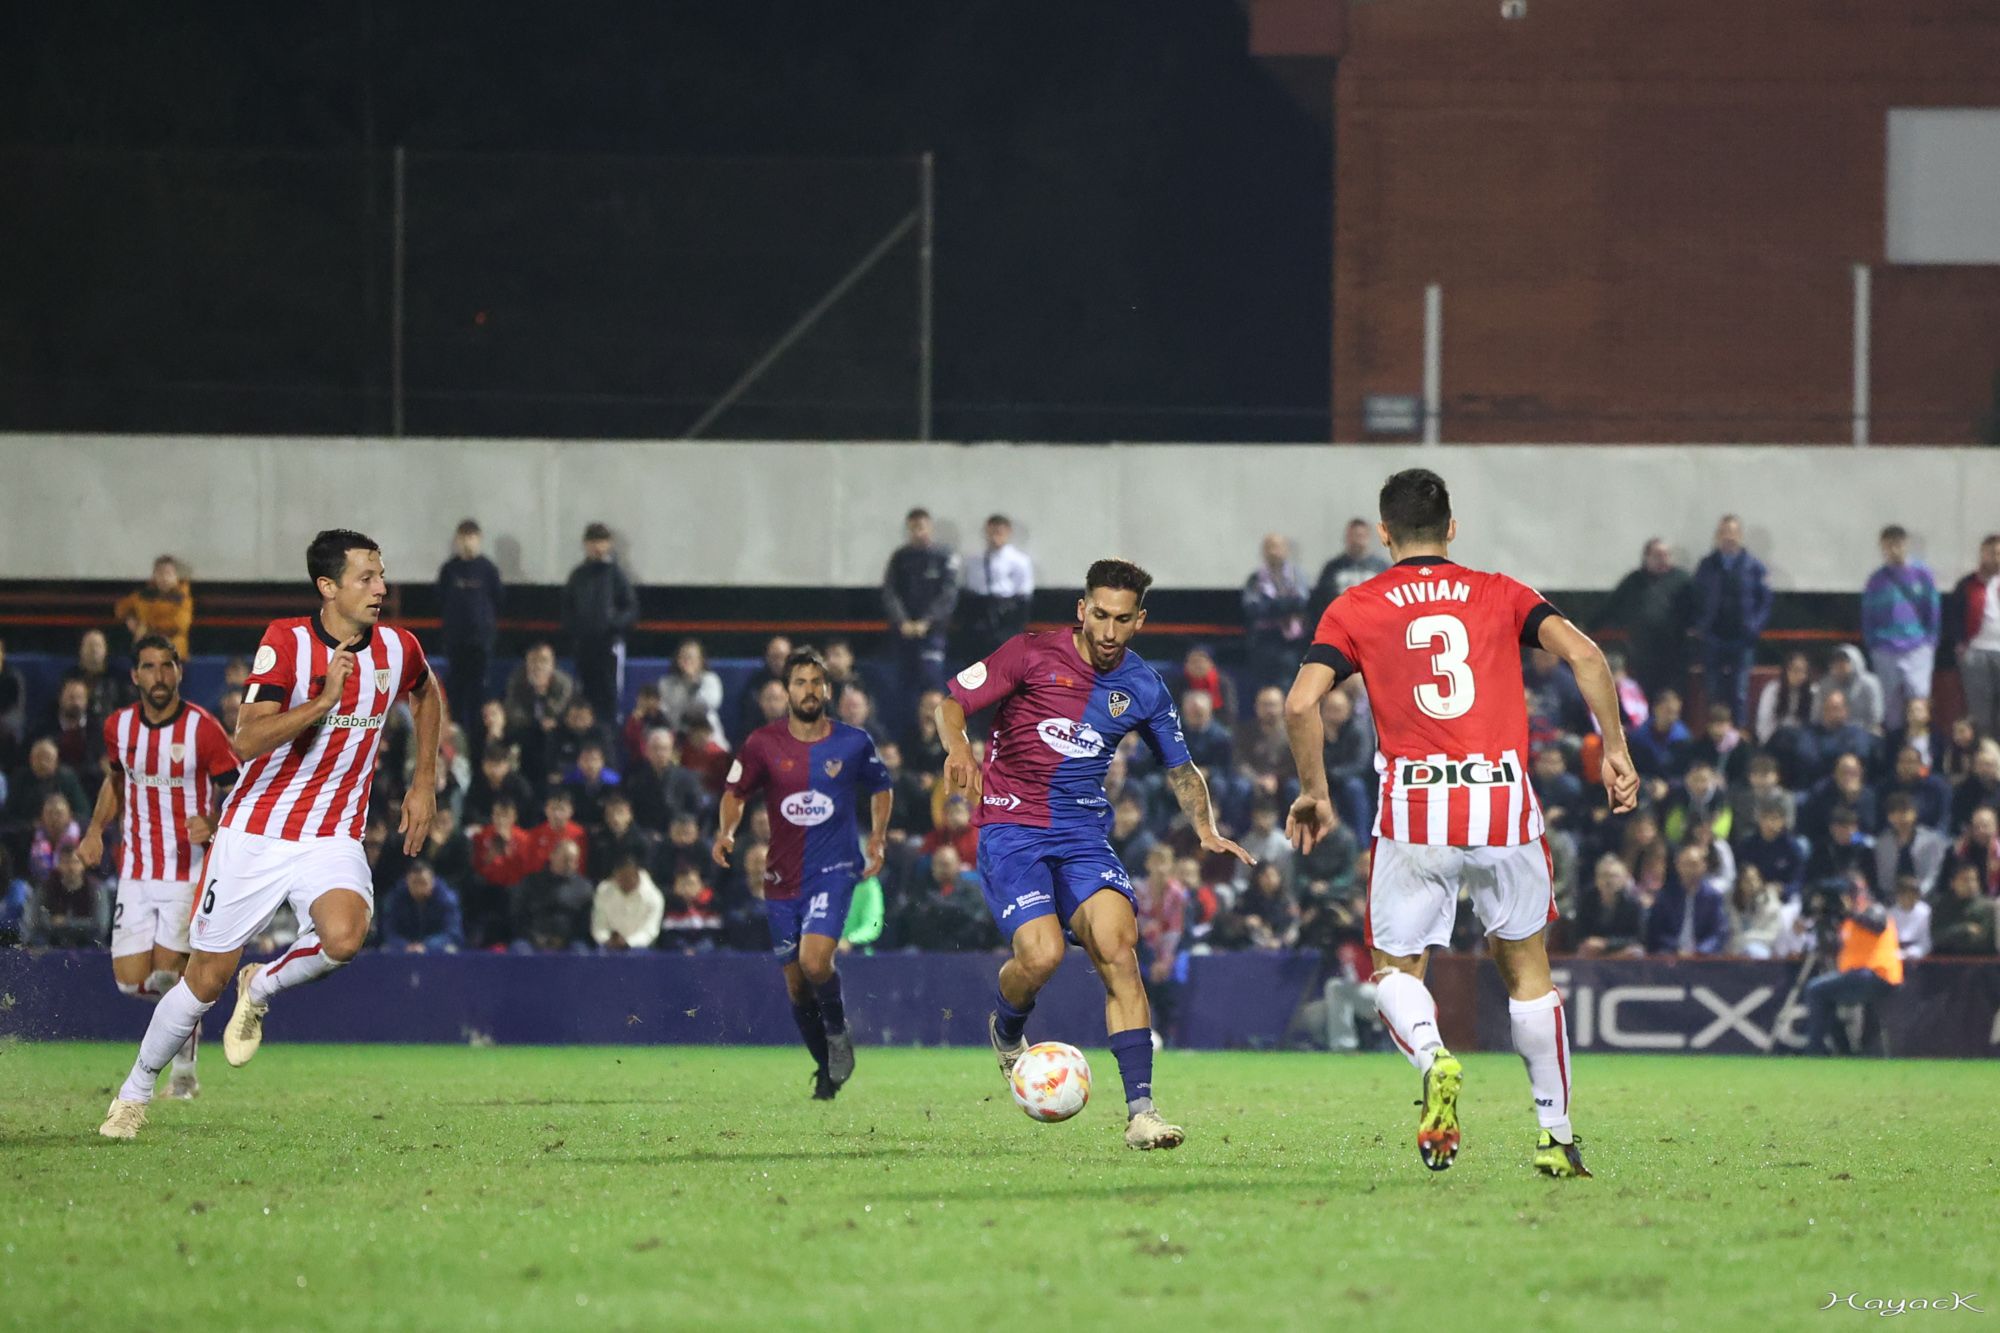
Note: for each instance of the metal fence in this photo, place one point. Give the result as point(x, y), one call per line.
point(465, 294)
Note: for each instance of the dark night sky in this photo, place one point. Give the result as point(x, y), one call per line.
point(1132, 217)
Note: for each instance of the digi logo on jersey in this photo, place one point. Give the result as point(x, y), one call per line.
point(1067, 736)
point(807, 808)
point(1455, 773)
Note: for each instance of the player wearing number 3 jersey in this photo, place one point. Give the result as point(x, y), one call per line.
point(1438, 648)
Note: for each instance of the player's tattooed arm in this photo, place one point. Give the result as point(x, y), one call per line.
point(1191, 791)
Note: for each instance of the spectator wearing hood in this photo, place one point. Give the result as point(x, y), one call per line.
point(1848, 673)
point(1980, 787)
point(1900, 621)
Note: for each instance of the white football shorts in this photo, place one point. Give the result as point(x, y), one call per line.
point(150, 913)
point(249, 876)
point(1413, 893)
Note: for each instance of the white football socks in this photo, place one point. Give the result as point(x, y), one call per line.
point(175, 1018)
point(184, 1057)
point(1411, 1015)
point(1541, 1035)
point(305, 961)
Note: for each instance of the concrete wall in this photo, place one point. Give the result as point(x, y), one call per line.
point(818, 515)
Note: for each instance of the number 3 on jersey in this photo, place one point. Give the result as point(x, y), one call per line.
point(1448, 664)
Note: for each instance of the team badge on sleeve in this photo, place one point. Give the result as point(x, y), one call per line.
point(1119, 701)
point(973, 676)
point(832, 767)
point(267, 657)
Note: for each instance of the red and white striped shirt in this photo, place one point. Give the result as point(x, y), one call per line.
point(1439, 648)
point(317, 784)
point(169, 772)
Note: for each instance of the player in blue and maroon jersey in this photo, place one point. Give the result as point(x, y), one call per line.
point(1066, 698)
point(809, 767)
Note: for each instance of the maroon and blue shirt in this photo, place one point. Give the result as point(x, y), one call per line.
point(809, 788)
point(1058, 724)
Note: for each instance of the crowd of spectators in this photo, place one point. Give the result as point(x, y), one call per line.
point(566, 824)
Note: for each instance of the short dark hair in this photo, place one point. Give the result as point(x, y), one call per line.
point(915, 514)
point(159, 641)
point(1415, 506)
point(595, 531)
point(468, 527)
point(803, 657)
point(420, 867)
point(1898, 802)
point(1844, 814)
point(1895, 532)
point(326, 557)
point(1118, 576)
point(1000, 519)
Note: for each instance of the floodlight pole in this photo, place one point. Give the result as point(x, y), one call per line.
point(1433, 362)
point(1863, 319)
point(398, 253)
point(927, 232)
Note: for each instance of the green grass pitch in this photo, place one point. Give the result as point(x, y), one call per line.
point(697, 1187)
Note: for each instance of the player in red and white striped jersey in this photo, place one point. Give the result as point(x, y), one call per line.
point(320, 689)
point(165, 760)
point(1438, 648)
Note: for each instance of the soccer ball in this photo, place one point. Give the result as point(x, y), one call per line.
point(1051, 1081)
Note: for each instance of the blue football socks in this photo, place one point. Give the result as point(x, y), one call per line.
point(807, 1017)
point(832, 1009)
point(1013, 1022)
point(1134, 1051)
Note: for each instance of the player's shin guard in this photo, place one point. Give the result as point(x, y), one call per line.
point(1541, 1035)
point(832, 1009)
point(1011, 1022)
point(174, 1020)
point(811, 1028)
point(1410, 1014)
point(305, 961)
point(1133, 1050)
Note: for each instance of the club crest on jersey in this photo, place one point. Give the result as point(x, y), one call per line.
point(381, 679)
point(1455, 773)
point(1119, 702)
point(178, 751)
point(832, 767)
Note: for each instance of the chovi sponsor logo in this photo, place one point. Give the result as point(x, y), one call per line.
point(1067, 736)
point(806, 808)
